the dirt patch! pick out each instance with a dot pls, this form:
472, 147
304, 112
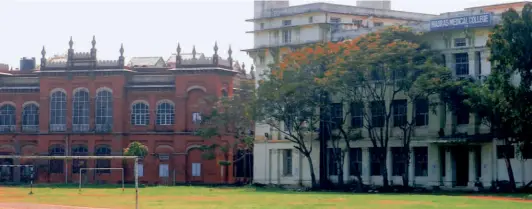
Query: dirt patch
512, 199
38, 206
402, 202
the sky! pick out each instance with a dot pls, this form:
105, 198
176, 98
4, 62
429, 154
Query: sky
150, 28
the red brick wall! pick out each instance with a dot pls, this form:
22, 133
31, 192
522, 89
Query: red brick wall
183, 148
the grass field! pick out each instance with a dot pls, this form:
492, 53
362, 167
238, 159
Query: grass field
247, 197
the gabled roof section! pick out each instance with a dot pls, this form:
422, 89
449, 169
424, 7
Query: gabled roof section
147, 62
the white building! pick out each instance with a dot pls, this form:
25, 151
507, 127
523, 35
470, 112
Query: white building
435, 161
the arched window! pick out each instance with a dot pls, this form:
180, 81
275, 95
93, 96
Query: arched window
7, 118
58, 111
103, 150
140, 114
79, 150
30, 118
104, 111
165, 114
56, 166
80, 111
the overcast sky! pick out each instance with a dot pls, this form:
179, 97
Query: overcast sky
149, 28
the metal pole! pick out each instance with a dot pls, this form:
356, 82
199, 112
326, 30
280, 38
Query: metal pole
80, 172
122, 180
136, 183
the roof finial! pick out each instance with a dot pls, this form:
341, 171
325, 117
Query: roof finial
194, 52
93, 41
244, 67
230, 59
71, 43
43, 52
122, 49
178, 49
230, 52
215, 47
252, 72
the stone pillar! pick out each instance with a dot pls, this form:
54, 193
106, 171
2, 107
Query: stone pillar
16, 170
389, 165
494, 161
366, 177
472, 62
449, 60
279, 166
472, 168
448, 169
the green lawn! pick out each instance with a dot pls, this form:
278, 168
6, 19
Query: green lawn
247, 197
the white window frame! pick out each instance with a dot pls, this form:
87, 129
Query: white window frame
58, 110
196, 117
164, 170
165, 113
30, 115
8, 115
140, 169
196, 169
104, 109
81, 111
287, 36
140, 114
288, 168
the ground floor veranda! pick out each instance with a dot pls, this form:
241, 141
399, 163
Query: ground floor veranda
172, 159
432, 163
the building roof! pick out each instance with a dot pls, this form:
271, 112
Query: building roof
147, 61
501, 4
342, 9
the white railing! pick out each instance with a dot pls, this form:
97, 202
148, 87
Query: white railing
57, 127
80, 127
30, 128
104, 128
7, 128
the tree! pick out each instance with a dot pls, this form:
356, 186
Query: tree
136, 149
287, 102
385, 71
504, 102
230, 117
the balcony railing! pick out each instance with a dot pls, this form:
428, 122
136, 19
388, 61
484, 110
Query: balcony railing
57, 127
7, 128
79, 128
104, 128
30, 128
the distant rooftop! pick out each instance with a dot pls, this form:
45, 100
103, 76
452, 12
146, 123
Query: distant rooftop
341, 9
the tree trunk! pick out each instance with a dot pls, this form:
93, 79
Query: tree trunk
312, 174
384, 155
406, 158
510, 172
340, 171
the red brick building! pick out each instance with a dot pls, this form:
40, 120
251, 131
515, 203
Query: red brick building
80, 105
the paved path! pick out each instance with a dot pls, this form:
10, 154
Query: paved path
38, 206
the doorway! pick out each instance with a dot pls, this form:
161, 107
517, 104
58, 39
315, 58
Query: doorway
461, 162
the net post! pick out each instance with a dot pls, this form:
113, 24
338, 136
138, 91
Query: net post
80, 173
136, 183
122, 180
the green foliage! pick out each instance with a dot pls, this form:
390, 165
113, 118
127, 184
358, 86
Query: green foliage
224, 163
136, 149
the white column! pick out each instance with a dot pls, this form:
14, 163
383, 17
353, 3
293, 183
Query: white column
449, 61
411, 168
472, 62
366, 177
494, 164
472, 168
297, 166
448, 169
389, 164
279, 165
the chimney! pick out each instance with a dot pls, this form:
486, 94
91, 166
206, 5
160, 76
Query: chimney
375, 4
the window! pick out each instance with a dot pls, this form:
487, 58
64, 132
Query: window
140, 169
478, 161
287, 36
30, 118
355, 161
378, 24
335, 21
357, 22
422, 112
357, 115
165, 114
421, 161
287, 22
224, 93
399, 112
79, 150
375, 161
310, 19
7, 118
262, 60
377, 113
505, 150
104, 111
140, 114
462, 114
103, 150
460, 42
337, 114
334, 155
287, 162
163, 170
196, 117
56, 166
58, 112
443, 161
80, 111
243, 163
398, 161
196, 169
461, 63
262, 26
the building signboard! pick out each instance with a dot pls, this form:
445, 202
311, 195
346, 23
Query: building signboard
472, 21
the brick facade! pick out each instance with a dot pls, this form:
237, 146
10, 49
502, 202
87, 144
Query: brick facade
174, 143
